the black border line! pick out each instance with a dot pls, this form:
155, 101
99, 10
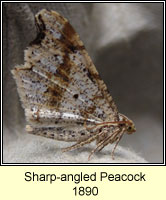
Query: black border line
86, 164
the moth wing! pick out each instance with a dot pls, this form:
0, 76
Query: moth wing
59, 75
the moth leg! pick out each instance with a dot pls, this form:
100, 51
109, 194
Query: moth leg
81, 143
101, 138
102, 144
96, 149
117, 142
106, 141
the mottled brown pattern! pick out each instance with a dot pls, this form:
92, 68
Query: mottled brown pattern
68, 31
40, 28
93, 76
61, 91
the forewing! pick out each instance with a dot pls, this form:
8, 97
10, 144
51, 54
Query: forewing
58, 75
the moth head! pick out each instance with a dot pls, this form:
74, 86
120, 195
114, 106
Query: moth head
127, 124
130, 128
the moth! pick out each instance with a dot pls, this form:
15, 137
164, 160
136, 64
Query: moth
61, 91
